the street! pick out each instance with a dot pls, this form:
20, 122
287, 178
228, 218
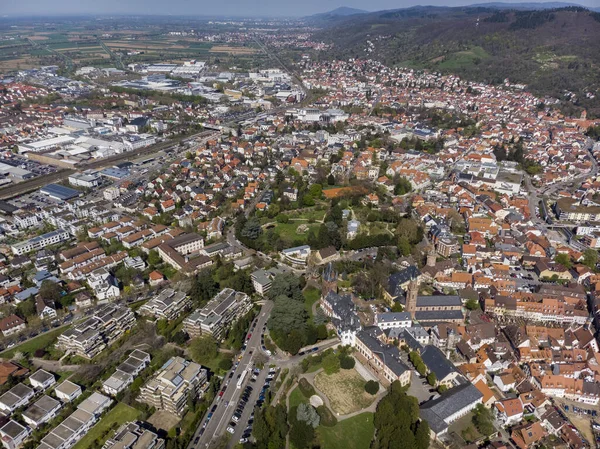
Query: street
226, 404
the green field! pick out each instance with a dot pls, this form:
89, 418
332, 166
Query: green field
297, 398
463, 59
311, 295
120, 414
29, 347
352, 433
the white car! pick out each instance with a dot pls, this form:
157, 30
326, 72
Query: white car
230, 430
243, 440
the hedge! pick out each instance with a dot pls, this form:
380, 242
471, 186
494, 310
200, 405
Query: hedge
306, 388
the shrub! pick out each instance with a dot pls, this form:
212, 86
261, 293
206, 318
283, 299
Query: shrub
328, 419
306, 388
372, 387
347, 362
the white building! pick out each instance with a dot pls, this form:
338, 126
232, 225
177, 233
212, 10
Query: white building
40, 242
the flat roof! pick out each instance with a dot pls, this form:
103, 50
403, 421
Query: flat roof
60, 192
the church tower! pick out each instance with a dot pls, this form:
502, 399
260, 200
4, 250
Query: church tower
431, 256
330, 278
411, 297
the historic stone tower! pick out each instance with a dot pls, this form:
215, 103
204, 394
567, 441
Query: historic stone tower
431, 256
411, 297
330, 278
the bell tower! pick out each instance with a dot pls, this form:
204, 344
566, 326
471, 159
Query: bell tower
411, 297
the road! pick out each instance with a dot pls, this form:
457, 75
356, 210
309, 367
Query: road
226, 404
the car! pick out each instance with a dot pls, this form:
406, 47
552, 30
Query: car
249, 336
253, 379
214, 407
236, 418
231, 430
230, 375
210, 415
243, 440
250, 422
221, 393
301, 353
196, 440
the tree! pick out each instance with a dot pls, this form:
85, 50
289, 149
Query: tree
252, 229
301, 435
315, 190
225, 364
347, 362
403, 186
431, 379
590, 258
308, 414
153, 258
564, 259
422, 435
204, 287
203, 349
331, 180
288, 285
372, 387
421, 368
403, 246
331, 364
26, 308
472, 304
50, 291
482, 419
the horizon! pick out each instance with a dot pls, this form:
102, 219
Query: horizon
263, 9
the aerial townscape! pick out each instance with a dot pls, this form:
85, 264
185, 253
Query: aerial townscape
344, 230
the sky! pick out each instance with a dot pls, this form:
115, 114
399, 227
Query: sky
212, 7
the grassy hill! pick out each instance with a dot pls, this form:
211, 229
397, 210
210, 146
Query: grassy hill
554, 51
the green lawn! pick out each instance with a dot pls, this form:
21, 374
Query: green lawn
288, 232
353, 433
120, 414
311, 295
297, 398
29, 347
213, 364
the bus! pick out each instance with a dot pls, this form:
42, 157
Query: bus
241, 379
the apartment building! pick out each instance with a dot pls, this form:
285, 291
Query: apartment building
126, 372
16, 397
67, 391
170, 388
220, 313
41, 411
89, 338
40, 242
132, 436
168, 304
13, 434
42, 379
77, 424
547, 310
262, 279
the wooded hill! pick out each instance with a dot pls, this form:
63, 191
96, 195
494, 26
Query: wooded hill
554, 51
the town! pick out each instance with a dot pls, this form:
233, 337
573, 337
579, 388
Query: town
319, 253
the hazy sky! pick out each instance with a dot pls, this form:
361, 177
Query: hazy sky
214, 7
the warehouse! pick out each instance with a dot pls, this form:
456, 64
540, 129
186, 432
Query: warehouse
59, 192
